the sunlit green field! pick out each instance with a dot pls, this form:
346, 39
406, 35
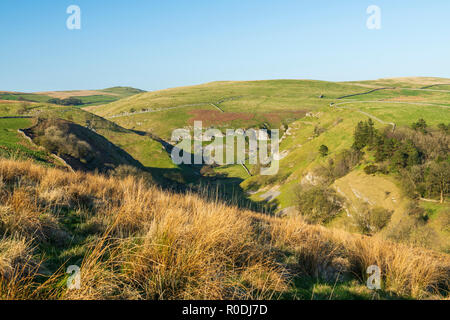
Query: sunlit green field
13, 145
144, 149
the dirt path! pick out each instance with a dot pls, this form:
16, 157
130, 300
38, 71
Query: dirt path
429, 200
365, 113
427, 88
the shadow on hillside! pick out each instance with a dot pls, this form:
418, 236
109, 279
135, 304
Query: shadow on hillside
212, 188
308, 284
81, 148
60, 137
311, 288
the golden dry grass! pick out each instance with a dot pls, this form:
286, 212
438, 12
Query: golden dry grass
145, 243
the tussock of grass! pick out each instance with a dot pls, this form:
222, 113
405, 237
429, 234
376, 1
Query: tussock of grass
138, 242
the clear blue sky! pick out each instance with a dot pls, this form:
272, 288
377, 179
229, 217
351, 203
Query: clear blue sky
153, 44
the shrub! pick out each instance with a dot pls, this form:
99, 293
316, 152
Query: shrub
318, 131
417, 212
66, 102
420, 125
370, 221
445, 128
72, 102
56, 139
323, 150
317, 204
23, 108
345, 162
339, 166
54, 101
83, 149
380, 217
371, 169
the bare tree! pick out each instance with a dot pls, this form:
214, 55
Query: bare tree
439, 175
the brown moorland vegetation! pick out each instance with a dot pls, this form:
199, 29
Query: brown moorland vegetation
217, 117
133, 241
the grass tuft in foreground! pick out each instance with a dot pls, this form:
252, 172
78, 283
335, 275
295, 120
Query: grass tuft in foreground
134, 241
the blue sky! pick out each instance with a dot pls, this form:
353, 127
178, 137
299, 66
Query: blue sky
153, 44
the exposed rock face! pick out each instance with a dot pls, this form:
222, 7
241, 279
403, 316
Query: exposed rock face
287, 211
281, 155
360, 196
312, 179
271, 194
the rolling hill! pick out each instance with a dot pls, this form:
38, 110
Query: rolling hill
324, 177
144, 149
309, 114
86, 97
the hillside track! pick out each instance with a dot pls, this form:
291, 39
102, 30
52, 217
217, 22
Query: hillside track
426, 89
341, 104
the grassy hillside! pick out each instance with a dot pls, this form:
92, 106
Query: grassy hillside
309, 113
409, 82
222, 104
278, 103
87, 97
133, 241
81, 147
128, 224
14, 145
122, 92
26, 97
147, 151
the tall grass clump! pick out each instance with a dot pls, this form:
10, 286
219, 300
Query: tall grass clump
135, 241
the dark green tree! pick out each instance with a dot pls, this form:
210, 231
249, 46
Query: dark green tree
323, 150
445, 128
420, 125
